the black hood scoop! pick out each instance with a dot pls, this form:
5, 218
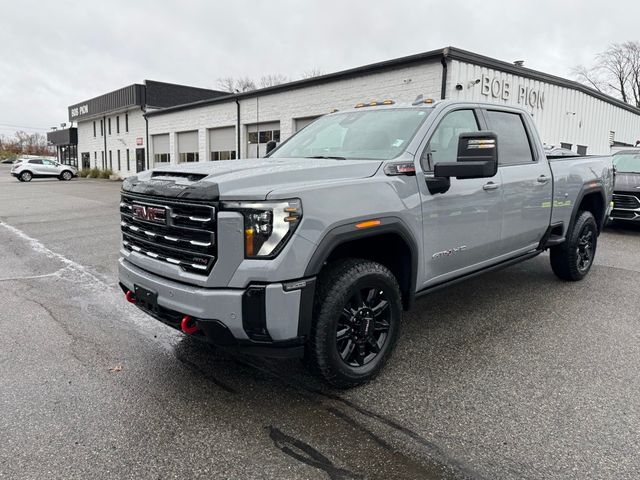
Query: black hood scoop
178, 185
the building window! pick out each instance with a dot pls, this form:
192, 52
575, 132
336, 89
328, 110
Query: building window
223, 155
189, 157
119, 166
161, 158
103, 160
118, 124
94, 128
126, 122
188, 150
101, 128
109, 123
110, 161
128, 161
566, 145
582, 149
258, 135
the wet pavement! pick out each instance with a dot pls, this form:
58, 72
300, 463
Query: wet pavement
510, 375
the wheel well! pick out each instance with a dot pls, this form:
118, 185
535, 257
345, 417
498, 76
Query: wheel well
388, 249
594, 203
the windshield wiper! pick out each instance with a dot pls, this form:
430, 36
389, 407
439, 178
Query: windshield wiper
327, 156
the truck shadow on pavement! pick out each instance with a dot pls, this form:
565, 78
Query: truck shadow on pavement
444, 328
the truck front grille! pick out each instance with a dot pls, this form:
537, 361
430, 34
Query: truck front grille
627, 202
173, 232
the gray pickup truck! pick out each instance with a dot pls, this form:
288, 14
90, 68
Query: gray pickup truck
316, 250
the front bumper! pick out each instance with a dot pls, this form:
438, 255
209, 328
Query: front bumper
266, 319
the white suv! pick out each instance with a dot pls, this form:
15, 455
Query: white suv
25, 170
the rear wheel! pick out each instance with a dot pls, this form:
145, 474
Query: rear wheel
357, 316
26, 176
573, 259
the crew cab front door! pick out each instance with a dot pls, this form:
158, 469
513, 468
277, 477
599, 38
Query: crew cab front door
462, 226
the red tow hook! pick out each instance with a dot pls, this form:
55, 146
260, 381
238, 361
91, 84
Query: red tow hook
188, 325
130, 296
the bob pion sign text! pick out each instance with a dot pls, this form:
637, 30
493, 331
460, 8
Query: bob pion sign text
497, 88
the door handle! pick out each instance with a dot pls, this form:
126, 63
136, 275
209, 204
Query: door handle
543, 179
490, 186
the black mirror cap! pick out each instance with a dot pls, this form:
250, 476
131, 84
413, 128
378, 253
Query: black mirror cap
477, 157
271, 145
478, 146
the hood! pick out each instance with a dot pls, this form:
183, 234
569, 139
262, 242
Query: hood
251, 179
627, 182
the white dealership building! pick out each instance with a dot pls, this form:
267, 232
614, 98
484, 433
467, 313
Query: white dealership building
220, 127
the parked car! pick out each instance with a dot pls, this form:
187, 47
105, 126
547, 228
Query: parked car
626, 195
25, 170
8, 161
316, 250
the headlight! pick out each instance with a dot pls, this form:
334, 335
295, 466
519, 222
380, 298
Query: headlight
267, 225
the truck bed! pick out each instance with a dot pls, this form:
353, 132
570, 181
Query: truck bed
572, 175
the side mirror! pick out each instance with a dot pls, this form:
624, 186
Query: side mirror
271, 145
477, 157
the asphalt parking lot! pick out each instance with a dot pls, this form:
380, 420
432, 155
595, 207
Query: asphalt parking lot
511, 375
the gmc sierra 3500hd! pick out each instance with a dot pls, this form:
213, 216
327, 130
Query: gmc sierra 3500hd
316, 250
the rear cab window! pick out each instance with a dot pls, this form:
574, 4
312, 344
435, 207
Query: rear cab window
514, 144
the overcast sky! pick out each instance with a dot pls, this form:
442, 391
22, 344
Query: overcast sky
56, 53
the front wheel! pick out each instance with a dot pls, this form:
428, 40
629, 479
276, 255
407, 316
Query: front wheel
66, 175
357, 315
573, 259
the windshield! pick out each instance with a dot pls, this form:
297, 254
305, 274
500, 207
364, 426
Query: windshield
368, 135
627, 162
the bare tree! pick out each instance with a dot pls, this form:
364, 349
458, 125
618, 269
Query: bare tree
313, 72
616, 71
615, 63
236, 85
272, 80
632, 50
588, 76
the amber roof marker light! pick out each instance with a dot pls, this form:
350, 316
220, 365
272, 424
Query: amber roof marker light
368, 224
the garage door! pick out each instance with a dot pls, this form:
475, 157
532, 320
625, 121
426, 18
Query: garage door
160, 148
222, 143
188, 146
258, 135
303, 122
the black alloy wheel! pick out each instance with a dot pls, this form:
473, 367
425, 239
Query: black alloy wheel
363, 326
357, 314
585, 248
573, 259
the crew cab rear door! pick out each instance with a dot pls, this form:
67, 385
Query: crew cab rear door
527, 185
461, 226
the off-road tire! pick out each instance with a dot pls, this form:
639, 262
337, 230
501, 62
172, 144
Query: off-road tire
566, 258
336, 285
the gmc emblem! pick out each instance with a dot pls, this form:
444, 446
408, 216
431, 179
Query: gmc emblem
150, 214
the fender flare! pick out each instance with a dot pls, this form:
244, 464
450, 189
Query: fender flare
347, 232
584, 191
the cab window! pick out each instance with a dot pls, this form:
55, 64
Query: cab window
514, 147
443, 145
